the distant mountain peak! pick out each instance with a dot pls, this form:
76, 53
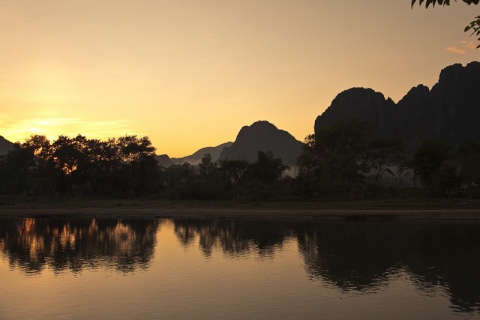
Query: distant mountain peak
263, 136
258, 127
194, 158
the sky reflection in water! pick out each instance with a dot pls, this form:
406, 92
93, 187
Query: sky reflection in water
176, 269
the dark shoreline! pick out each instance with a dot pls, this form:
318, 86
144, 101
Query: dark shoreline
149, 209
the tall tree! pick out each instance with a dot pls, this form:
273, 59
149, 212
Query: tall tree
468, 157
384, 155
207, 167
428, 159
138, 167
267, 168
232, 172
335, 157
44, 172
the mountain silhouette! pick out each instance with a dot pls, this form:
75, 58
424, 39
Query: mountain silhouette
5, 146
164, 160
195, 158
263, 136
449, 112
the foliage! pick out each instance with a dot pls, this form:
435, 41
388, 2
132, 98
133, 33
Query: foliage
384, 155
208, 168
474, 26
76, 166
442, 2
445, 178
427, 160
333, 161
468, 157
232, 174
267, 168
341, 161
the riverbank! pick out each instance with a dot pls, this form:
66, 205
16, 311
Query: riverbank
436, 209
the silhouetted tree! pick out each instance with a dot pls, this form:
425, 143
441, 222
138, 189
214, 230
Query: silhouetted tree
102, 164
43, 174
138, 169
181, 181
232, 172
468, 157
334, 159
40, 145
75, 166
428, 159
267, 168
207, 168
445, 178
385, 154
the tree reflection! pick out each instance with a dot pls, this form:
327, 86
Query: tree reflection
363, 256
233, 237
449, 255
352, 256
358, 256
347, 256
33, 244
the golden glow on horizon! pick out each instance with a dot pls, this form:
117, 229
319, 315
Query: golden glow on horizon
191, 74
53, 127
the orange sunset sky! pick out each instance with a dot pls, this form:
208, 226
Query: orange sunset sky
191, 73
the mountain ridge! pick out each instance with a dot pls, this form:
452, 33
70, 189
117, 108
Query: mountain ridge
449, 112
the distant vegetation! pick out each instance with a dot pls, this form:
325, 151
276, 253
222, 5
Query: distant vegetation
343, 161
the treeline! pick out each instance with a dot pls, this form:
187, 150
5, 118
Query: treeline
340, 162
77, 166
345, 161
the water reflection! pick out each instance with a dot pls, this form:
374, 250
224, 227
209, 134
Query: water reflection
233, 237
358, 257
351, 256
363, 256
74, 245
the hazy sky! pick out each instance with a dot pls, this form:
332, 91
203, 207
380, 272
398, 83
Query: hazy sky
191, 73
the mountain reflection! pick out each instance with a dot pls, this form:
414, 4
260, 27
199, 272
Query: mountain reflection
358, 256
74, 245
362, 256
351, 256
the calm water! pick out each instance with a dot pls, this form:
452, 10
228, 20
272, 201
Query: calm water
234, 269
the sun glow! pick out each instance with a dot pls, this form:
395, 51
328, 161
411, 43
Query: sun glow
189, 77
53, 127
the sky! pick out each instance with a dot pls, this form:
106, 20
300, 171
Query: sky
191, 73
